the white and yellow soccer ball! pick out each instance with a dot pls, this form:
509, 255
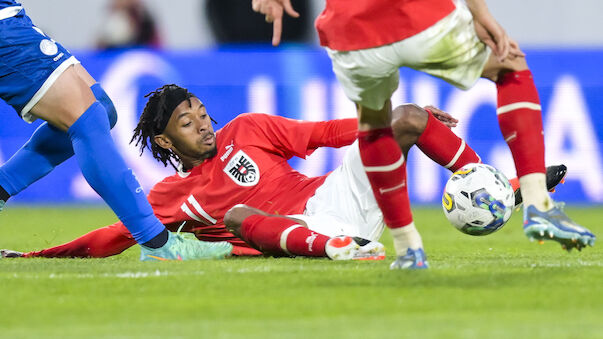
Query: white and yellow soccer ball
478, 199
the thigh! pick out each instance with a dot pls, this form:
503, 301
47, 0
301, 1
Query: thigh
368, 77
345, 201
450, 49
30, 62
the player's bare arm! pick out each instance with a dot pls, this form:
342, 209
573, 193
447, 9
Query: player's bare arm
492, 33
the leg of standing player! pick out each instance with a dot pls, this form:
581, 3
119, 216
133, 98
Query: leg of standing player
368, 78
47, 148
520, 120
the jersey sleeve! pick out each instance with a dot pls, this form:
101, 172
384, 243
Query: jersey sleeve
291, 137
100, 243
333, 133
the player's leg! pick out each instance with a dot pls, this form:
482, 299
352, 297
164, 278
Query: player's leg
70, 105
520, 121
47, 148
369, 77
289, 236
414, 125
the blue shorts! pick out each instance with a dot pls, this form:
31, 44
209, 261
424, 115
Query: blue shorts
30, 62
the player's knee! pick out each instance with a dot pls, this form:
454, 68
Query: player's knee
111, 112
494, 69
233, 219
103, 98
409, 119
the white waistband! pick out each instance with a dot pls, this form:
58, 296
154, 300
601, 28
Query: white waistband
9, 12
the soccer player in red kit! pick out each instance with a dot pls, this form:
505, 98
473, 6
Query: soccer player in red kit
246, 163
368, 41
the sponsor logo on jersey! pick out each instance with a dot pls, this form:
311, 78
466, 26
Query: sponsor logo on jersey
229, 149
242, 170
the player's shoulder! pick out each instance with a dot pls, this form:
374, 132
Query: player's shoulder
244, 119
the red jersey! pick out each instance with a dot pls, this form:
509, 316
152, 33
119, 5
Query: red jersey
347, 25
250, 168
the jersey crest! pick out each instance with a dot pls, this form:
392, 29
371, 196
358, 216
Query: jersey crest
242, 169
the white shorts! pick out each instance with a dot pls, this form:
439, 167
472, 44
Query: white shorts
450, 49
344, 204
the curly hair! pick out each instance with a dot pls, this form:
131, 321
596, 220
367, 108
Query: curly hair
154, 119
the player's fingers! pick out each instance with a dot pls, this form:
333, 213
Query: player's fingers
441, 115
277, 29
503, 48
255, 5
289, 9
515, 50
490, 43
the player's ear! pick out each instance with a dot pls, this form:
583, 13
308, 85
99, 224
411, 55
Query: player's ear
163, 141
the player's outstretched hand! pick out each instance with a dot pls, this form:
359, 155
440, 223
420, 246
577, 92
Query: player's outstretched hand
444, 117
273, 11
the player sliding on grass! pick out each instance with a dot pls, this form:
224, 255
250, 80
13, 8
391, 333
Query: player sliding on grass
246, 163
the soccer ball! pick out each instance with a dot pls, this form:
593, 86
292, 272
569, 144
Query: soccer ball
478, 199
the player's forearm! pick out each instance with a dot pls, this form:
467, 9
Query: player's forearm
478, 8
333, 133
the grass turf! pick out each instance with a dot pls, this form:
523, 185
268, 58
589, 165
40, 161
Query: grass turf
498, 286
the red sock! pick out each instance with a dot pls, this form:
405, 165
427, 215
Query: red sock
281, 236
441, 145
386, 170
520, 121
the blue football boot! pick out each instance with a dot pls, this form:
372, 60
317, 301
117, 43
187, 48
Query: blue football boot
185, 246
555, 225
413, 259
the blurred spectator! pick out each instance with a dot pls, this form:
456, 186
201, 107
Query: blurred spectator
128, 24
233, 21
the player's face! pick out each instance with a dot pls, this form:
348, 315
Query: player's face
189, 133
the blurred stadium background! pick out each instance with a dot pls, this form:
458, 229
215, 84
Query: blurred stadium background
221, 53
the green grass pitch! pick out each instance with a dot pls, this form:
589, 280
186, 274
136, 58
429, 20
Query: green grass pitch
498, 286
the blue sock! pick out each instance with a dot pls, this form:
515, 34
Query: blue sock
107, 173
47, 148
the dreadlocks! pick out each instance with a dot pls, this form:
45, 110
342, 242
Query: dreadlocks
154, 119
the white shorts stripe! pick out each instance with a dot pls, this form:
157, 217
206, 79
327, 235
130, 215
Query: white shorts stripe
25, 114
284, 236
9, 12
457, 155
518, 105
386, 168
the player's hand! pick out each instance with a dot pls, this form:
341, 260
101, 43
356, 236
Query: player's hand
273, 12
491, 32
444, 117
